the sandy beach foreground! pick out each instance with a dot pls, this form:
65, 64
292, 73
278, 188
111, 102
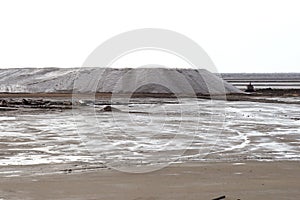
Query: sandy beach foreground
250, 180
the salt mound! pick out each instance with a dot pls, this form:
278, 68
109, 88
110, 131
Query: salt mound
113, 80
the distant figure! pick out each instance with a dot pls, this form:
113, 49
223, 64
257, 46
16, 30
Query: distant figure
250, 88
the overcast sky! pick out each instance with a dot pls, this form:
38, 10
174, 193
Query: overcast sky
239, 36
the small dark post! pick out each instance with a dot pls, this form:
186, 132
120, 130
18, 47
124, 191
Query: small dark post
3, 103
250, 88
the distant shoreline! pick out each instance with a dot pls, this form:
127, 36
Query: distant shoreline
263, 80
65, 100
258, 92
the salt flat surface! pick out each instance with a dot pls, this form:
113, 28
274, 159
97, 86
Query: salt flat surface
145, 133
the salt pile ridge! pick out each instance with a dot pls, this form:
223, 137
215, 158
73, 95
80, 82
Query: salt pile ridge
114, 80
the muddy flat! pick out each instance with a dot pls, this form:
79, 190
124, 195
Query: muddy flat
240, 149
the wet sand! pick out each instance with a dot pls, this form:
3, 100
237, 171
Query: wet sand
251, 180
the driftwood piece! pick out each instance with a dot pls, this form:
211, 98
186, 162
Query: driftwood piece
221, 197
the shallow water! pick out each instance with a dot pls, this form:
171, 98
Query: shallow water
155, 132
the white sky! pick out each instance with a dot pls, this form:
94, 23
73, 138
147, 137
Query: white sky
239, 36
